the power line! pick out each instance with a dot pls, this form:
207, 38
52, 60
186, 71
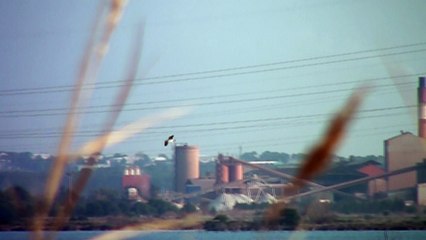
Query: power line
38, 114
140, 81
216, 96
290, 140
57, 134
222, 112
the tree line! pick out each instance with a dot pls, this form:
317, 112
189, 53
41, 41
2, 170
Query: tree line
19, 206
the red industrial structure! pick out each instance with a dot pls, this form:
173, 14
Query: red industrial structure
222, 173
235, 172
228, 170
136, 183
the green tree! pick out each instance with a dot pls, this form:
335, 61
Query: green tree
221, 218
142, 159
100, 208
161, 206
119, 155
142, 209
275, 156
106, 194
161, 175
142, 156
298, 156
95, 209
21, 200
249, 156
189, 208
8, 213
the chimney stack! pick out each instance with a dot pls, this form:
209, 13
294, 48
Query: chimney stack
422, 106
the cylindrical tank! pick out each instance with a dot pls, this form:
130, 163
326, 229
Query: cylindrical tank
222, 175
422, 107
186, 165
235, 172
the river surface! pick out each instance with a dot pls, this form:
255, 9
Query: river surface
202, 235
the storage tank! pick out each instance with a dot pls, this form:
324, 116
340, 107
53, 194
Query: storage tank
186, 165
235, 172
222, 170
222, 173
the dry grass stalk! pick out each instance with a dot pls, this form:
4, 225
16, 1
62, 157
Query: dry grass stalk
97, 145
116, 108
88, 69
320, 156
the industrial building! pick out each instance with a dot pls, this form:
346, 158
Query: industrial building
228, 181
230, 186
407, 150
403, 151
136, 183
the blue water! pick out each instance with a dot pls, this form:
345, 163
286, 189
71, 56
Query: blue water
202, 235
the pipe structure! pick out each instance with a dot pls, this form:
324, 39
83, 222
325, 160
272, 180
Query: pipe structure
292, 178
350, 183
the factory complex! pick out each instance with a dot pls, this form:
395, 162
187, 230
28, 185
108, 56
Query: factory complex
236, 181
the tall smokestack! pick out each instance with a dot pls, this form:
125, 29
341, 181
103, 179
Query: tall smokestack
422, 106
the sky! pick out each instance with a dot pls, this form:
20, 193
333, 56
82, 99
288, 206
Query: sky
260, 75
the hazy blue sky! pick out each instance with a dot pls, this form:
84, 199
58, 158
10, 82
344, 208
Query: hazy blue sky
274, 71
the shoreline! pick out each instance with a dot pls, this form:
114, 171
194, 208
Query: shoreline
199, 222
310, 228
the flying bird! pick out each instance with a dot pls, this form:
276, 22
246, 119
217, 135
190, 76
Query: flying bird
169, 140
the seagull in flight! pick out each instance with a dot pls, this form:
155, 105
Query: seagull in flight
169, 140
